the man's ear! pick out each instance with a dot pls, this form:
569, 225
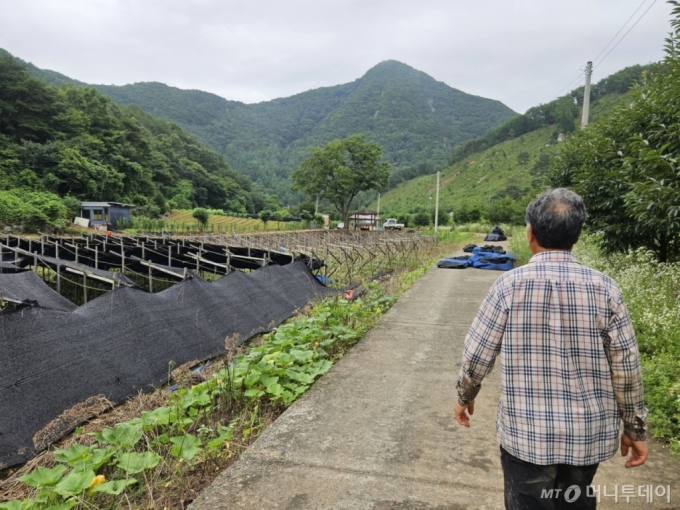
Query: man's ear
530, 233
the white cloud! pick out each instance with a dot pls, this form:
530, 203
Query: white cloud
522, 52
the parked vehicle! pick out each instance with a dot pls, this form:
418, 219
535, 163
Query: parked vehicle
391, 224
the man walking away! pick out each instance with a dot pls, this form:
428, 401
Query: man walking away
570, 366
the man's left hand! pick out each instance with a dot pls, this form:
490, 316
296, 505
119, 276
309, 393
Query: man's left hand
461, 413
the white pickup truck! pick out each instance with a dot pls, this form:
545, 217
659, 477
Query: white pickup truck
391, 224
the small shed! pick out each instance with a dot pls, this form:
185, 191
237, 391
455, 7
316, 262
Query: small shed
105, 213
365, 220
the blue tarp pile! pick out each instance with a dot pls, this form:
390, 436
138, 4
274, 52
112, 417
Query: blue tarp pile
481, 260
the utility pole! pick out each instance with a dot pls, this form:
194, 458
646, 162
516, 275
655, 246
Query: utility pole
436, 207
586, 95
377, 215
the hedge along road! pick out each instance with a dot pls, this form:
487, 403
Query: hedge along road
378, 431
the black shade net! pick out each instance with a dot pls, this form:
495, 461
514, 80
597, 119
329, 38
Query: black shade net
54, 362
27, 288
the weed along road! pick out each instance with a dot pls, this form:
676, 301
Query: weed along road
378, 431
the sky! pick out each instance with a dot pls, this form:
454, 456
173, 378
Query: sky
521, 52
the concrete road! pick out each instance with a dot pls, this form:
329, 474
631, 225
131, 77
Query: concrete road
377, 432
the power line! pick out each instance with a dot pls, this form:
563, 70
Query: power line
624, 35
612, 40
620, 29
570, 83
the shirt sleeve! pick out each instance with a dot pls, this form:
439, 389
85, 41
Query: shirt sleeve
482, 344
624, 360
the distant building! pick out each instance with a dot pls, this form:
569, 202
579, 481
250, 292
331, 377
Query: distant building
104, 213
365, 220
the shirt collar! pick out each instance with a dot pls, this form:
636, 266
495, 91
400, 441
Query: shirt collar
554, 256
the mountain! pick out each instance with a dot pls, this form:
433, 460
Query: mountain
508, 162
75, 142
414, 117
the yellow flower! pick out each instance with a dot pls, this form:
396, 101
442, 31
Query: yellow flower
270, 361
97, 480
316, 344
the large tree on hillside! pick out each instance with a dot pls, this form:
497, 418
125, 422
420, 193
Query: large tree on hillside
627, 168
340, 170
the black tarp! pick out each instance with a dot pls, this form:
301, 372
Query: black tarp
28, 288
123, 342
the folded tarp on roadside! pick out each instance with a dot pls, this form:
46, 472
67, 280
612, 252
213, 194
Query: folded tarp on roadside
481, 260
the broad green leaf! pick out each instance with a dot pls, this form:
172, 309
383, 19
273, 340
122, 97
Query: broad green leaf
134, 462
100, 456
124, 436
185, 447
253, 392
76, 454
252, 378
155, 418
266, 380
275, 389
75, 482
114, 487
43, 477
12, 505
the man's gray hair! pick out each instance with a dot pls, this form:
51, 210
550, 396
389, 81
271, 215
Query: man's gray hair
556, 217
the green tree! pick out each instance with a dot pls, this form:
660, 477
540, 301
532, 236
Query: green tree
626, 168
306, 216
443, 217
201, 216
340, 170
265, 215
318, 221
421, 219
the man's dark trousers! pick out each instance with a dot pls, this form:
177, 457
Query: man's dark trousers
554, 487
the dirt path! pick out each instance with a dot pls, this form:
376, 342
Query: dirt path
378, 432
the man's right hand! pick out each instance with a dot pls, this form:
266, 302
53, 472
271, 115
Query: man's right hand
638, 449
461, 415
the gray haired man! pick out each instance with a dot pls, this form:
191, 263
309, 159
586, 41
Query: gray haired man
570, 366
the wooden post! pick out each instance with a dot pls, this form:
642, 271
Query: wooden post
42, 246
143, 250
122, 259
76, 253
58, 277
96, 257
35, 264
84, 287
150, 279
170, 255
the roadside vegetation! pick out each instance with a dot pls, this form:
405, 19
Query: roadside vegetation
160, 450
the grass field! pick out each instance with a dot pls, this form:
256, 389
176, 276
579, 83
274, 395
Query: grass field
475, 180
182, 221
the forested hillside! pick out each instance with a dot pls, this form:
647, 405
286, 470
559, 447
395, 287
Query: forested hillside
416, 119
497, 172
58, 145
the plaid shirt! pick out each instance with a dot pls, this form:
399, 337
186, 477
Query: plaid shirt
570, 366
